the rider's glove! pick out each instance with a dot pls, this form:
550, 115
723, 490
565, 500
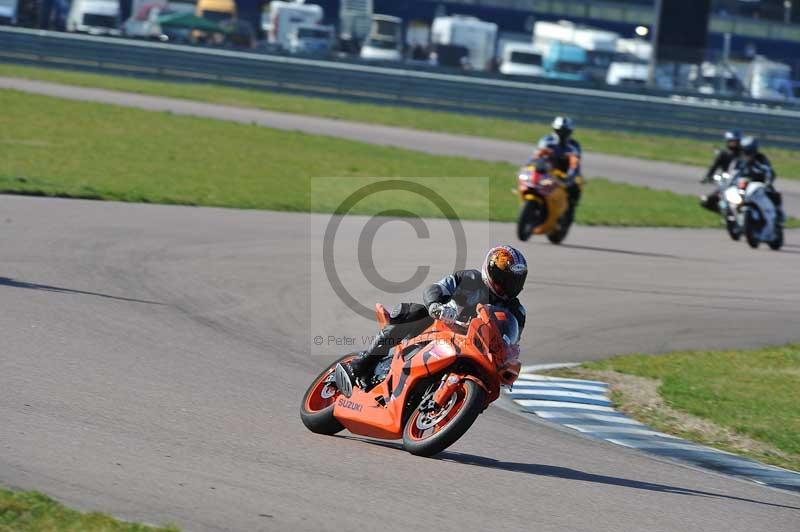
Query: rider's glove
442, 312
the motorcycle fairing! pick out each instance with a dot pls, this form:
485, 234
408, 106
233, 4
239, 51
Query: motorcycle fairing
757, 197
363, 412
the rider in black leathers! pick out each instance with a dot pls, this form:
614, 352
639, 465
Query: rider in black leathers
564, 153
756, 166
455, 297
723, 162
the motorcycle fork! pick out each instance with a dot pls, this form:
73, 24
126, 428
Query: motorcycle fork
446, 388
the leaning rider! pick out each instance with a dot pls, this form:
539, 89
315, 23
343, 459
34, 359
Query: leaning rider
454, 298
564, 153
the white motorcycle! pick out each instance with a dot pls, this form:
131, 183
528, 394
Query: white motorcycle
727, 207
748, 210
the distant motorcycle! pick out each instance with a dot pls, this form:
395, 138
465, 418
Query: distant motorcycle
750, 211
545, 204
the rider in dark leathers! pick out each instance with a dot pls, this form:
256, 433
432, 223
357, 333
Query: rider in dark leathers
723, 162
756, 166
499, 281
564, 153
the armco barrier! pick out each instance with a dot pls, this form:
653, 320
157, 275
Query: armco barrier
701, 118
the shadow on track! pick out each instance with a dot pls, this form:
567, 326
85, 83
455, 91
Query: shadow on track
623, 251
13, 283
573, 474
565, 473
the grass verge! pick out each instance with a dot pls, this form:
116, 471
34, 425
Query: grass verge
56, 147
34, 512
747, 402
670, 149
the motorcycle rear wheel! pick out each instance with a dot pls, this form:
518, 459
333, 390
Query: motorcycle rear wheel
558, 236
427, 434
316, 411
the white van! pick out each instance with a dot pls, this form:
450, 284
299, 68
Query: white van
520, 59
285, 17
627, 74
385, 39
96, 17
311, 39
379, 48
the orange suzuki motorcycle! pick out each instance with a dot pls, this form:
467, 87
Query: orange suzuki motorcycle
429, 389
544, 202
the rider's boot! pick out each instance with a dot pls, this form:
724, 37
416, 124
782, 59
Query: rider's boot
356, 371
710, 202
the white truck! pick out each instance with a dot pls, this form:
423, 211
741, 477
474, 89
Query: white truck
285, 17
8, 12
521, 59
477, 36
385, 39
355, 20
96, 17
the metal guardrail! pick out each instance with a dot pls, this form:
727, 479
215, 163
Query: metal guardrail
618, 111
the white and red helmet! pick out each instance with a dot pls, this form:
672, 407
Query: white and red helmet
504, 271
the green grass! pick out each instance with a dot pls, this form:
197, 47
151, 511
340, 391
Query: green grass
755, 393
786, 162
34, 512
56, 147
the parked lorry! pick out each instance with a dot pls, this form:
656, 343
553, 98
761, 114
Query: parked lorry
96, 17
355, 22
600, 46
216, 10
566, 62
285, 17
477, 36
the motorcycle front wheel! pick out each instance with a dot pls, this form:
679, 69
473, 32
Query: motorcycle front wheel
751, 230
429, 433
778, 242
734, 231
530, 215
318, 401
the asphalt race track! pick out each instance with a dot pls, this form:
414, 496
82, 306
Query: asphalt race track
153, 359
655, 174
